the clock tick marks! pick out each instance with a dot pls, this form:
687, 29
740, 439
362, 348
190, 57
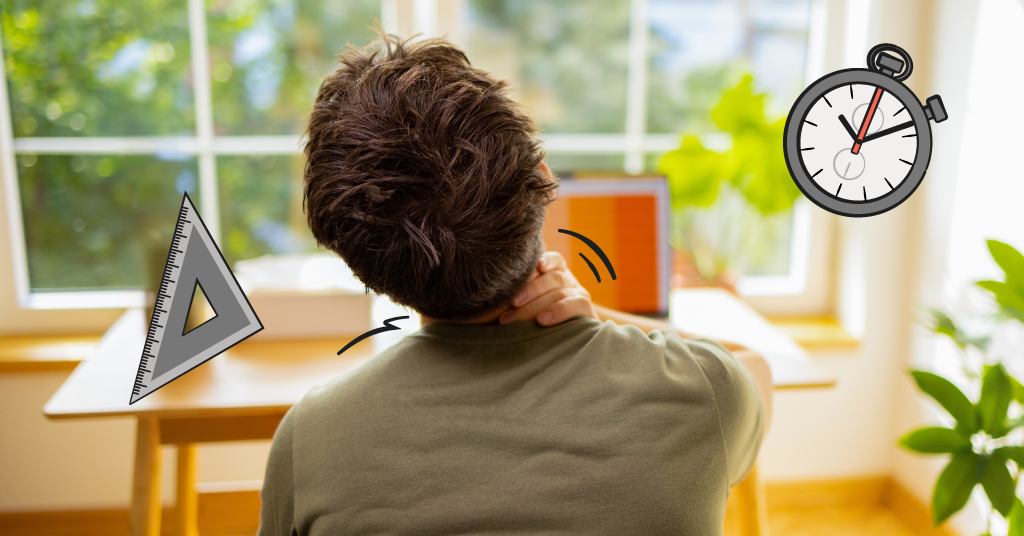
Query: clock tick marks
810, 123
840, 188
851, 91
865, 188
807, 149
889, 183
905, 162
816, 172
910, 135
826, 101
899, 111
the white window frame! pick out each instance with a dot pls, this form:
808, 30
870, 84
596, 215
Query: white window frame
804, 290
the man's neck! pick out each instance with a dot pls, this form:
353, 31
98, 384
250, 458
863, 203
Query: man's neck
488, 318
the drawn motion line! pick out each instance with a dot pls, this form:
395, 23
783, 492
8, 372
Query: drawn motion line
597, 249
386, 327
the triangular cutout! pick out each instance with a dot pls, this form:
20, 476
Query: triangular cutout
195, 266
197, 310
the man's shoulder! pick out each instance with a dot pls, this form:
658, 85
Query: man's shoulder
620, 349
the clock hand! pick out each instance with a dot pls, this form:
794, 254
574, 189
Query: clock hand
867, 121
846, 125
888, 131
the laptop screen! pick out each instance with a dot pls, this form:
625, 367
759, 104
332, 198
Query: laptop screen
627, 220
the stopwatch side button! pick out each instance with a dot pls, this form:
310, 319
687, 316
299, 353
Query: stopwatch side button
934, 110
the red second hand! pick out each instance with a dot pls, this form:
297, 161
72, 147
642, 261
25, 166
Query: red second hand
867, 121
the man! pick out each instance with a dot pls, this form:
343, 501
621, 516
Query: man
519, 407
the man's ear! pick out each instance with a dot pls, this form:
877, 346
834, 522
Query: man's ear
546, 171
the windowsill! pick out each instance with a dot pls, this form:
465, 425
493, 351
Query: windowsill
817, 333
45, 353
56, 353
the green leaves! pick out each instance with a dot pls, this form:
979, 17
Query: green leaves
950, 397
1009, 294
755, 164
740, 109
693, 172
1016, 519
966, 467
1011, 261
983, 425
1012, 453
936, 440
758, 168
996, 393
943, 325
998, 484
955, 484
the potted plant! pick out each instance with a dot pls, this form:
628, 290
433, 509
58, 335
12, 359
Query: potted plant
725, 203
985, 444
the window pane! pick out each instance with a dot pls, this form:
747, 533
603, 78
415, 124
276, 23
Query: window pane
268, 57
696, 48
569, 164
732, 232
261, 207
90, 219
98, 67
567, 61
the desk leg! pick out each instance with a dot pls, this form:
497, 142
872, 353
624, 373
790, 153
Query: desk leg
753, 510
145, 518
187, 509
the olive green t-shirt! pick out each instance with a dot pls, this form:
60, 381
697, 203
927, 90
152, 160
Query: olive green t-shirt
582, 428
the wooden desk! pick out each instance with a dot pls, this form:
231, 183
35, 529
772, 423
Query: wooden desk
243, 394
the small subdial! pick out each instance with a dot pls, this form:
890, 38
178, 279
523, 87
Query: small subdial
849, 166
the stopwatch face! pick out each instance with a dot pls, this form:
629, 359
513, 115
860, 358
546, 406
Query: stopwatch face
850, 178
826, 147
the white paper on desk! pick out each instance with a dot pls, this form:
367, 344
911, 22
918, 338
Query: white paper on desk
704, 312
314, 271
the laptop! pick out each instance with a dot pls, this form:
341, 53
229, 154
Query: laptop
627, 219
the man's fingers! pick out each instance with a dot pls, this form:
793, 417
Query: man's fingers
529, 310
540, 285
563, 310
551, 260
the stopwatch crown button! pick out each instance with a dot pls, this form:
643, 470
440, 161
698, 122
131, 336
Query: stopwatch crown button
934, 110
890, 62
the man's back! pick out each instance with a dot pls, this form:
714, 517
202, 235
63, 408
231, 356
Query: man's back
581, 428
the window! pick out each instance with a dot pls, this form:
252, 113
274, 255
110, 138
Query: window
113, 108
612, 83
117, 107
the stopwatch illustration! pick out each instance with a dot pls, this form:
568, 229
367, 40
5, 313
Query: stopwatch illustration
857, 141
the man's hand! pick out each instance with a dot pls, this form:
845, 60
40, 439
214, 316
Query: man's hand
552, 296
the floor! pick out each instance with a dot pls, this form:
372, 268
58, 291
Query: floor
857, 520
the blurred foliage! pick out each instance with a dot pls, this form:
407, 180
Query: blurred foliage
568, 60
754, 164
123, 68
753, 167
98, 67
253, 226
983, 446
89, 219
268, 57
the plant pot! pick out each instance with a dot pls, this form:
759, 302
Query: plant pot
686, 275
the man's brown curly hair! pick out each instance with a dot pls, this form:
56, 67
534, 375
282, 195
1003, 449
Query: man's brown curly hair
422, 174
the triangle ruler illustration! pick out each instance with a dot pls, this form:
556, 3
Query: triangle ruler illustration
194, 263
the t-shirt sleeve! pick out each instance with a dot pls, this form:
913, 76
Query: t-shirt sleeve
740, 412
278, 492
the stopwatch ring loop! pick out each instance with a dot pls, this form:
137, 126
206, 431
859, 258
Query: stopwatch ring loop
908, 64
